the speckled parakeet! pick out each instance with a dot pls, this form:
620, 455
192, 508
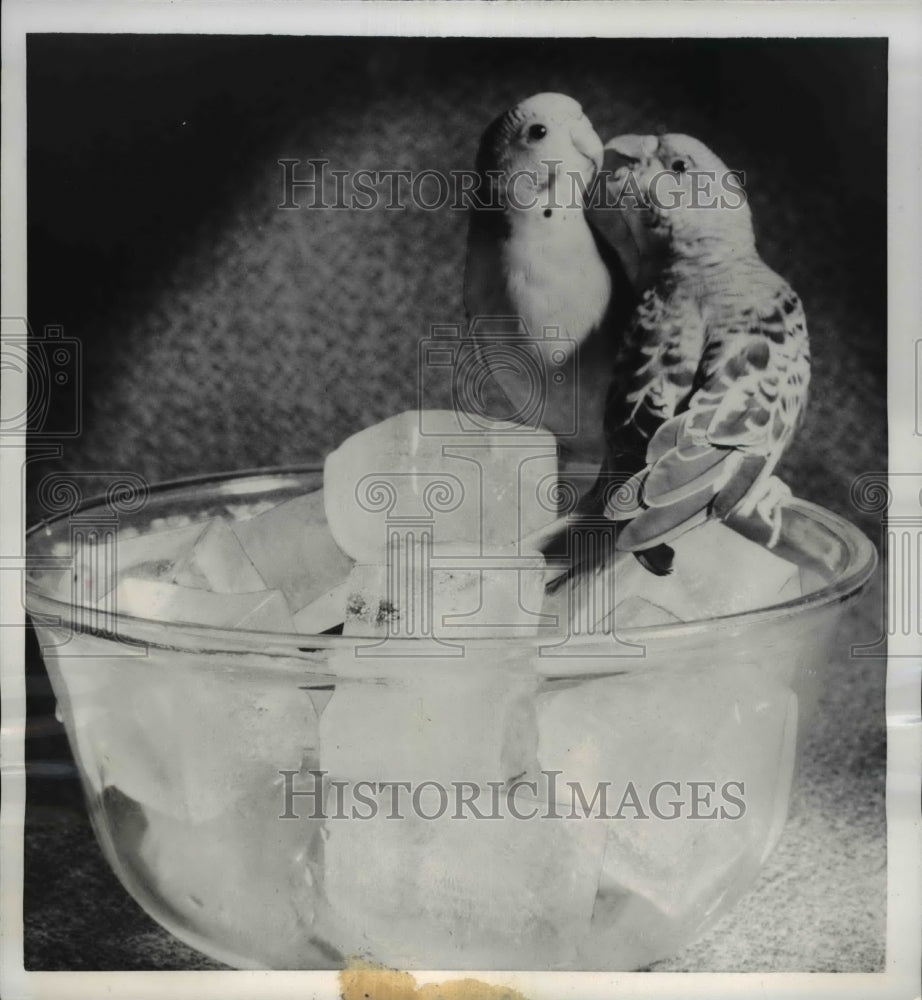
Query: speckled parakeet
534, 257
711, 377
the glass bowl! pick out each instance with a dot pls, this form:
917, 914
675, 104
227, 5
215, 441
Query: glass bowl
293, 801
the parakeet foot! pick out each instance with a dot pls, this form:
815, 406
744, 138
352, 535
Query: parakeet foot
767, 504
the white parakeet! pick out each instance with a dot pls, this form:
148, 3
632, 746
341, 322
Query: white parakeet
534, 258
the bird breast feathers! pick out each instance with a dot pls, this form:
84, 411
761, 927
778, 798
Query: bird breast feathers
559, 282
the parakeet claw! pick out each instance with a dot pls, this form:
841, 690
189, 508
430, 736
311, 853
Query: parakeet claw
767, 503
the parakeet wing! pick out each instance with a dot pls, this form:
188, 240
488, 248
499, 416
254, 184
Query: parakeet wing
654, 375
747, 396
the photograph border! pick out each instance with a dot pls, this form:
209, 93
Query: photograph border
901, 23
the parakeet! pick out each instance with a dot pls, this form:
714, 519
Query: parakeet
534, 257
711, 378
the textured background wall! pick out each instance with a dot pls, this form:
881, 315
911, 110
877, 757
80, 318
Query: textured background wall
222, 333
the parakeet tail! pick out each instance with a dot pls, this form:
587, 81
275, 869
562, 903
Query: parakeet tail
671, 511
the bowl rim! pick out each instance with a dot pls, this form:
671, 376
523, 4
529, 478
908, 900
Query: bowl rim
861, 563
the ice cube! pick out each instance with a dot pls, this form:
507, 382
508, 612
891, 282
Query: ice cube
486, 487
114, 718
187, 734
267, 905
293, 550
320, 697
420, 719
63, 583
501, 600
580, 599
629, 932
727, 728
324, 612
792, 588
101, 559
716, 572
171, 521
635, 612
436, 890
452, 596
370, 602
269, 613
237, 737
217, 562
811, 580
264, 611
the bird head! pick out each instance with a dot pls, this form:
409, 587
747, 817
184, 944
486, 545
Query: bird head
537, 155
688, 194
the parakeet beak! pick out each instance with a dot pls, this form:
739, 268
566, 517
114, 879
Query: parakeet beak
587, 142
633, 148
634, 155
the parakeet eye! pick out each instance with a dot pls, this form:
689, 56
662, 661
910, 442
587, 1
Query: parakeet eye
679, 165
537, 132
